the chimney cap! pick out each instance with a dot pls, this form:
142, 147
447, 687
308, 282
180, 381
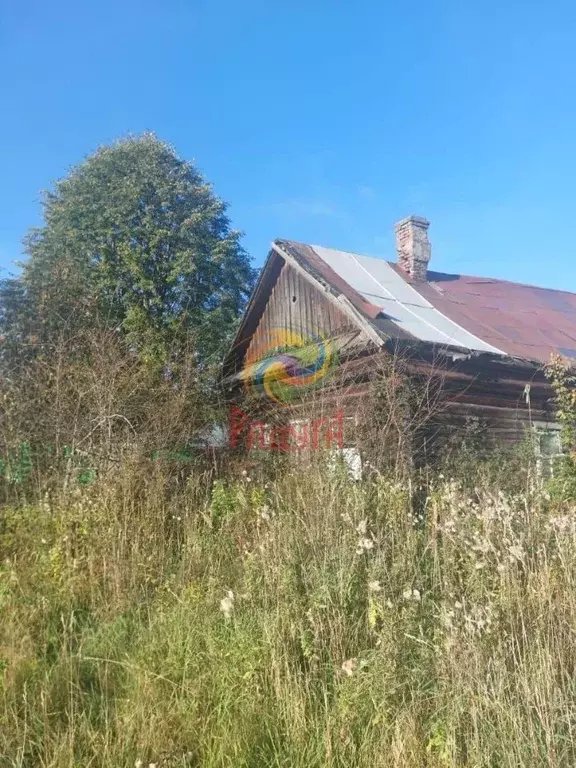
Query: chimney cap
418, 220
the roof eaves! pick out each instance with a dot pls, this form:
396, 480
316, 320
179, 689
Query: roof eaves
428, 349
270, 271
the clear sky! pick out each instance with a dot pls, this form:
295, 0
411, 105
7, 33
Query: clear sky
323, 121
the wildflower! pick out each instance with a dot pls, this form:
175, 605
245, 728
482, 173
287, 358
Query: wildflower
362, 527
350, 666
407, 594
416, 595
227, 604
516, 553
374, 586
266, 513
138, 763
364, 545
447, 619
412, 594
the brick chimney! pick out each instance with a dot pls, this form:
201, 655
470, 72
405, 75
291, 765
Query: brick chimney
413, 246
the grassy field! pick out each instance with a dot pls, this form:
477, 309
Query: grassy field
305, 622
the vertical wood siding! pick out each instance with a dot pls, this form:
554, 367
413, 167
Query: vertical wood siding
296, 305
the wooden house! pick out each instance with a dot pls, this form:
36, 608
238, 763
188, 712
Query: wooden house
317, 310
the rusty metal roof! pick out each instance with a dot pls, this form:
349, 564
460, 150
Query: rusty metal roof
521, 320
474, 313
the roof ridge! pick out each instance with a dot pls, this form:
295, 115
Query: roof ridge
487, 279
438, 272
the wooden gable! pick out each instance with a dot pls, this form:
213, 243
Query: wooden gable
296, 305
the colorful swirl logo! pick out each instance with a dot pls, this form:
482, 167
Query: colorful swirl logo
287, 363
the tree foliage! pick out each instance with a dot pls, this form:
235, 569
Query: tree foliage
135, 240
562, 379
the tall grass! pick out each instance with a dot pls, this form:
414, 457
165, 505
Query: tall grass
303, 621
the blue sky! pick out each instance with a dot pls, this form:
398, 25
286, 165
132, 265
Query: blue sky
320, 121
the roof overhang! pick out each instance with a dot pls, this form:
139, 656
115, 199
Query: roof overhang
377, 325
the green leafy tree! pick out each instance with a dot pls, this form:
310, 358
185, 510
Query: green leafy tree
133, 239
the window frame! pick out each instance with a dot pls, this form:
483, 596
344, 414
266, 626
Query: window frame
545, 460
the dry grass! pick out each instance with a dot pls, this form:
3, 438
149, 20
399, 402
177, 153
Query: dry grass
306, 621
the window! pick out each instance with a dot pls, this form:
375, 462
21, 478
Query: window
548, 447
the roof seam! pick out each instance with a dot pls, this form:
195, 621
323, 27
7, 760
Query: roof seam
450, 339
405, 305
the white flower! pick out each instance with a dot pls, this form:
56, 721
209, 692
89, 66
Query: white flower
350, 666
138, 763
362, 526
227, 604
416, 595
516, 553
407, 594
265, 513
374, 586
364, 545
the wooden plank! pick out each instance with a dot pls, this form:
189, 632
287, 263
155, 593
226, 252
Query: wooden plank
311, 310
